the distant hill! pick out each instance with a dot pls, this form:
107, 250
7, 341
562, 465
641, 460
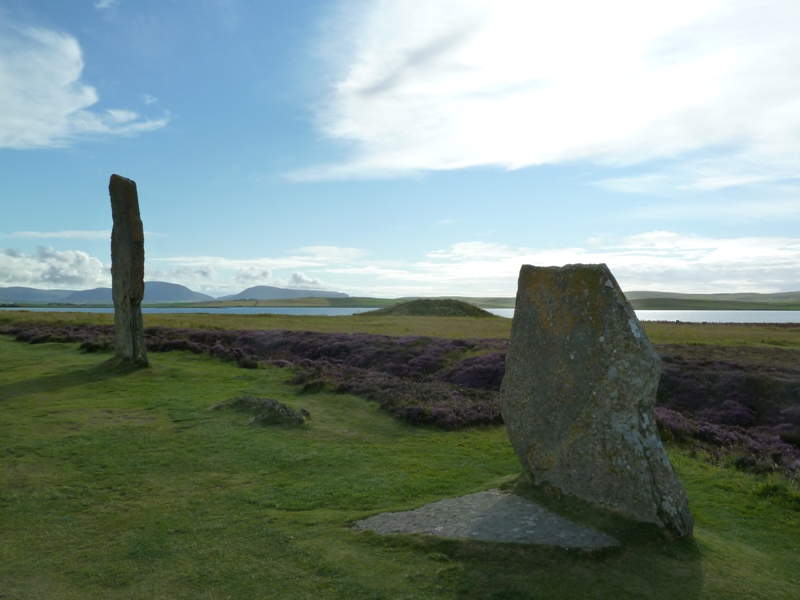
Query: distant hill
154, 291
161, 291
429, 307
11, 295
268, 292
100, 295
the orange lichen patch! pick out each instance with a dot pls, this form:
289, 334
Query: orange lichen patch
540, 459
555, 320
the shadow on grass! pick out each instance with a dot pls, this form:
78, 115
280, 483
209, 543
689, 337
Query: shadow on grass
646, 565
116, 366
483, 570
628, 532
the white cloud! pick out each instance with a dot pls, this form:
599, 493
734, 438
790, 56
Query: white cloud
302, 281
101, 4
446, 84
148, 99
250, 276
49, 269
43, 102
193, 278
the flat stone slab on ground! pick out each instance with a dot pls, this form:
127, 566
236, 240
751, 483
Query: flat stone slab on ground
491, 516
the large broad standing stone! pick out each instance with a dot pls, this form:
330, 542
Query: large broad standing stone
578, 395
127, 269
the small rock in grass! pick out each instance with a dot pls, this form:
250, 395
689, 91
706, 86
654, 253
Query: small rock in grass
270, 411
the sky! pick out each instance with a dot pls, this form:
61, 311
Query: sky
403, 148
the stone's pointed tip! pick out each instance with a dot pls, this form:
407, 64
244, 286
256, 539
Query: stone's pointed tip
120, 180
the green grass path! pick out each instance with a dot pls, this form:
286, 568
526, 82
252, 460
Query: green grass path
126, 486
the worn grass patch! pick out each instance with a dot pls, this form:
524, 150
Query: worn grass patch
126, 485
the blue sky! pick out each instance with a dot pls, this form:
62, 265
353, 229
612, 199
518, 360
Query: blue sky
409, 147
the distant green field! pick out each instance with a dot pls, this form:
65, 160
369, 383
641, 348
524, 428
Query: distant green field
125, 485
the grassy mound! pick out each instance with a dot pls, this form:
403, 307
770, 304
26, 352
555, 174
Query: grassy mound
429, 307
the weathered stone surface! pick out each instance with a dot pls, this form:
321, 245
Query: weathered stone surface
127, 269
578, 395
491, 516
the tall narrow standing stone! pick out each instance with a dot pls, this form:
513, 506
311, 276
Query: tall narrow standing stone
127, 269
578, 395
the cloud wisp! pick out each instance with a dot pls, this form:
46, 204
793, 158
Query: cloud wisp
447, 84
43, 102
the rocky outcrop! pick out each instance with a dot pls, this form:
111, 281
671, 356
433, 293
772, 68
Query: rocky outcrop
127, 270
578, 394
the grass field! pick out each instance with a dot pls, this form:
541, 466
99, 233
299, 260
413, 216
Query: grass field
125, 485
